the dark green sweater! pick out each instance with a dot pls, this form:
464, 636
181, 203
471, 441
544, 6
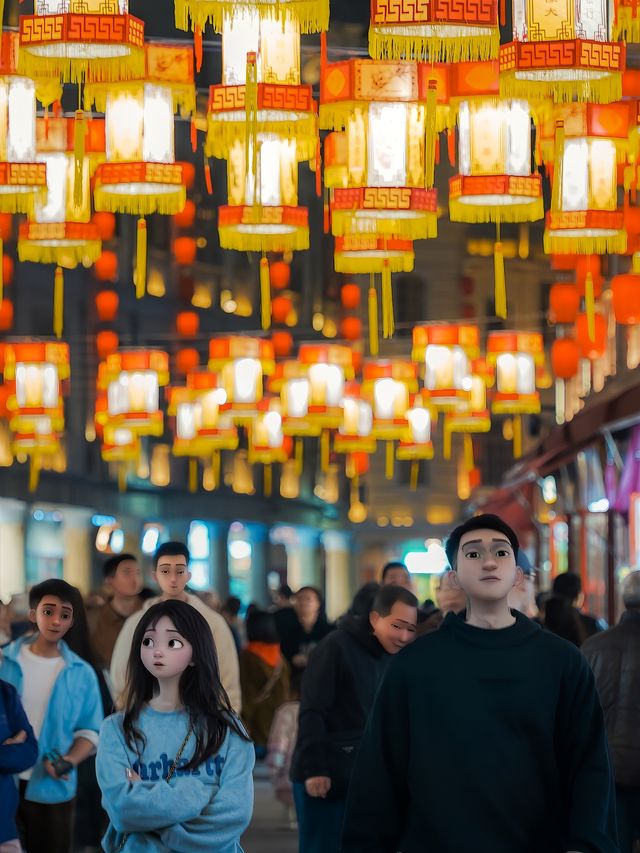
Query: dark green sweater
484, 742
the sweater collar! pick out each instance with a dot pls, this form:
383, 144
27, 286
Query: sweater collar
12, 651
521, 631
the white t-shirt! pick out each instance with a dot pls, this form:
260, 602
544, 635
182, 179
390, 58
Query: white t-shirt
38, 677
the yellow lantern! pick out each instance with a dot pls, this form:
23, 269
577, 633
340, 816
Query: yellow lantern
242, 363
328, 367
291, 381
73, 38
417, 445
472, 415
267, 441
561, 51
446, 351
355, 433
132, 380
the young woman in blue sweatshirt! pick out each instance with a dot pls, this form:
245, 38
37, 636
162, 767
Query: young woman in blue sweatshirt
18, 752
175, 767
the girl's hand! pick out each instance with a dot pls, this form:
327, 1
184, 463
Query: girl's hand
131, 775
317, 786
20, 737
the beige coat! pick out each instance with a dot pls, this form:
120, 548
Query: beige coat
222, 637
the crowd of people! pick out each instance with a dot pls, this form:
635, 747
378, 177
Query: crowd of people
132, 721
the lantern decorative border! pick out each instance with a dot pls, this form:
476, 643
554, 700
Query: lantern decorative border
406, 212
246, 228
359, 254
166, 178
585, 232
311, 15
527, 189
65, 243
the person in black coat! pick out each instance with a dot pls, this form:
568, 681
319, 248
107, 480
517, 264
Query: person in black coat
338, 688
300, 634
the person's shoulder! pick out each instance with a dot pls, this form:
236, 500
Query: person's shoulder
8, 694
215, 619
112, 725
548, 643
614, 637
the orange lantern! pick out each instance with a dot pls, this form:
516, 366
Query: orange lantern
107, 302
7, 269
6, 222
351, 328
564, 302
188, 174
187, 360
446, 352
185, 250
106, 267
625, 290
6, 315
279, 275
591, 346
106, 225
280, 309
350, 296
187, 324
565, 358
589, 265
132, 379
242, 363
282, 343
186, 217
106, 343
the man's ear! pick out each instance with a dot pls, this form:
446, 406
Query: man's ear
518, 582
32, 615
373, 619
453, 580
188, 576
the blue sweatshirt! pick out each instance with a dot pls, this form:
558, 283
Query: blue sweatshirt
14, 758
74, 706
196, 812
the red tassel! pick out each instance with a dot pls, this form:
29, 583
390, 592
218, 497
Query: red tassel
46, 121
503, 13
451, 145
57, 109
438, 150
194, 135
197, 44
327, 213
323, 51
207, 177
318, 171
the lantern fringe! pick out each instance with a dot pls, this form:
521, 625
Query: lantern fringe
430, 135
336, 116
222, 135
312, 15
528, 211
193, 475
69, 255
465, 44
23, 202
95, 95
500, 283
365, 263
599, 91
388, 322
517, 436
374, 332
230, 238
141, 259
48, 91
627, 24
414, 473
141, 204
265, 294
74, 70
79, 137
590, 305
389, 460
423, 227
555, 243
58, 302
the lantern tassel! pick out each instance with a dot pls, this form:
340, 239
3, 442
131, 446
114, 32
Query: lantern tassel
430, 135
446, 440
79, 134
635, 262
523, 240
268, 481
215, 468
197, 46
194, 135
207, 175
389, 461
388, 325
122, 478
193, 475
326, 210
265, 293
141, 259
517, 436
374, 332
299, 457
590, 306
325, 450
414, 474
34, 473
451, 145
318, 171
58, 302
556, 191
469, 461
500, 284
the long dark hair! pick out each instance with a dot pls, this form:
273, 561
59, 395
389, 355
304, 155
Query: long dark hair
563, 619
201, 692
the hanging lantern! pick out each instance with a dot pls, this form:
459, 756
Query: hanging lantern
561, 52
132, 380
187, 359
472, 415
187, 216
592, 345
564, 302
625, 290
106, 343
417, 444
355, 432
280, 275
389, 383
267, 441
291, 381
187, 324
437, 31
565, 358
185, 250
282, 343
242, 362
328, 367
201, 429
106, 225
445, 351
107, 302
311, 16
6, 315
357, 253
76, 38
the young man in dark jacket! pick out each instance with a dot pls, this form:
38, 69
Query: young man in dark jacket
614, 656
487, 735
338, 688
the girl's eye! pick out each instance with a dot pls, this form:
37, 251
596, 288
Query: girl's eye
47, 612
175, 644
66, 616
148, 642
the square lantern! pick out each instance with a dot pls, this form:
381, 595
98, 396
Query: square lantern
291, 381
200, 427
71, 38
329, 367
389, 384
516, 357
417, 444
446, 352
242, 363
311, 16
267, 441
132, 380
472, 415
35, 377
562, 51
355, 433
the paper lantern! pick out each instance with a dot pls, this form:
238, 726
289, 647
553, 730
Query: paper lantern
279, 275
328, 367
6, 315
106, 343
187, 360
280, 309
282, 343
355, 254
36, 373
291, 381
201, 429
6, 226
589, 265
355, 432
8, 268
242, 363
185, 250
445, 352
186, 217
351, 328
267, 441
187, 324
515, 356
132, 379
106, 266
106, 225
99, 37
592, 346
470, 415
350, 296
107, 302
561, 52
565, 358
418, 444
625, 290
564, 302
311, 16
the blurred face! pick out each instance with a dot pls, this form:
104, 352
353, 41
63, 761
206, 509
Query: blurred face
165, 653
53, 617
396, 630
307, 604
486, 566
172, 575
398, 577
127, 579
450, 599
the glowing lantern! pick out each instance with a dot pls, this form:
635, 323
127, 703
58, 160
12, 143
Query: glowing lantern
279, 275
561, 51
565, 358
186, 217
187, 324
351, 328
242, 362
470, 416
355, 433
328, 367
185, 250
106, 225
106, 267
564, 302
291, 381
106, 343
356, 253
6, 315
350, 296
186, 360
282, 343
417, 444
280, 309
445, 351
625, 290
267, 441
592, 346
132, 380
78, 37
107, 302
311, 16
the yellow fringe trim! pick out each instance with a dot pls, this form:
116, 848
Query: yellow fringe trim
624, 148
603, 91
528, 211
48, 91
66, 256
335, 116
423, 227
95, 95
22, 202
434, 48
140, 205
627, 27
312, 15
366, 264
557, 244
222, 135
230, 238
130, 67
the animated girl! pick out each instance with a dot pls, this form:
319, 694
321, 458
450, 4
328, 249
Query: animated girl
175, 767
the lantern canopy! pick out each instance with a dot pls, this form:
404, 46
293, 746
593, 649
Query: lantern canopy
445, 352
311, 16
73, 38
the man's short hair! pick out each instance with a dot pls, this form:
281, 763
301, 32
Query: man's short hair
524, 562
391, 594
111, 565
171, 549
567, 585
631, 591
394, 564
56, 587
486, 521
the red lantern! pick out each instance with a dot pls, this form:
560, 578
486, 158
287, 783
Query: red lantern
107, 302
279, 275
7, 269
351, 328
357, 361
187, 215
350, 296
6, 226
564, 302
280, 308
565, 358
282, 343
185, 249
188, 174
187, 324
625, 290
360, 462
187, 360
563, 263
106, 267
591, 348
106, 343
106, 225
6, 315
584, 265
